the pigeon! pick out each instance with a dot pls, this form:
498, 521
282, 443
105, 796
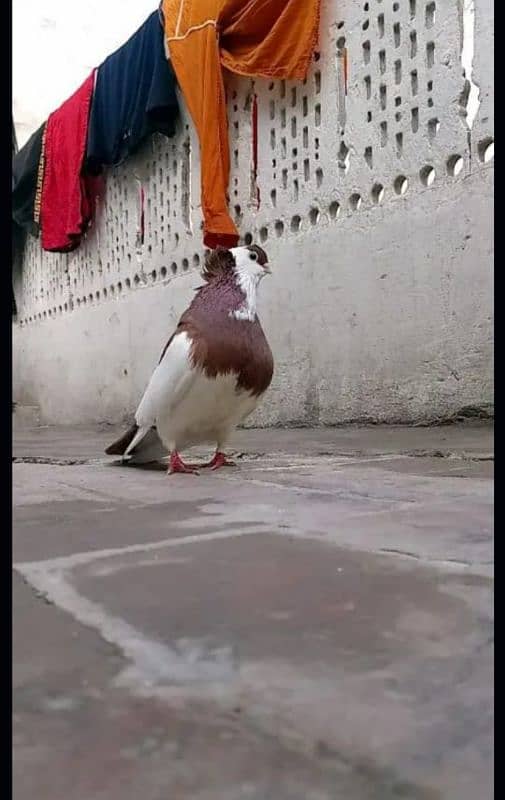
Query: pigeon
213, 371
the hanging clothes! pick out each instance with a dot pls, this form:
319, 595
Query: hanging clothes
135, 96
68, 197
25, 169
259, 38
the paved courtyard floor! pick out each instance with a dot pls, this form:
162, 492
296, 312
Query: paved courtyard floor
314, 624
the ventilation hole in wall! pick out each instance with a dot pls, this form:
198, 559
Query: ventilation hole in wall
485, 149
366, 52
173, 268
163, 273
273, 197
317, 115
65, 306
279, 228
305, 106
296, 190
296, 223
401, 185
317, 81
196, 261
398, 71
366, 25
305, 137
384, 133
314, 215
413, 44
293, 97
334, 210
355, 201
294, 152
429, 16
433, 127
272, 109
427, 175
263, 234
185, 264
430, 102
248, 238
344, 157
398, 101
128, 283
284, 179
399, 144
414, 82
317, 56
97, 295
60, 309
341, 24
283, 147
412, 8
271, 87
153, 275
366, 6
383, 96
377, 193
306, 169
293, 127
369, 156
283, 117
397, 34
368, 86
176, 239
84, 301
380, 25
414, 120
398, 116
319, 177
282, 89
454, 165
396, 6
272, 139
429, 86
430, 54
368, 116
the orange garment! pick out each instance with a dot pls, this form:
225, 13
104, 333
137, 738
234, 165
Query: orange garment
263, 38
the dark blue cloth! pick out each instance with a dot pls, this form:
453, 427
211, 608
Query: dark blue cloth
135, 95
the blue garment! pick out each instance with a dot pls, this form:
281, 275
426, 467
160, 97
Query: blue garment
134, 96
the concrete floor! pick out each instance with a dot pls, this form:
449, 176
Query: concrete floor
315, 624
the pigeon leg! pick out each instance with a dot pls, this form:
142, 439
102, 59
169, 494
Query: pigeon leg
177, 465
220, 460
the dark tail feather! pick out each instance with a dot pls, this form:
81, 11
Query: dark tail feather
118, 447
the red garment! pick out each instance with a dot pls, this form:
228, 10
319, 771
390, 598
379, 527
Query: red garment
68, 198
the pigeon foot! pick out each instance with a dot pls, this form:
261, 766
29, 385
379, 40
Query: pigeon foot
176, 464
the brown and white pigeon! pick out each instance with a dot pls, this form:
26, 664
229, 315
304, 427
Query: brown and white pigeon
213, 371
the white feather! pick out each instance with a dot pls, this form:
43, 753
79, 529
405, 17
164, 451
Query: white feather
186, 406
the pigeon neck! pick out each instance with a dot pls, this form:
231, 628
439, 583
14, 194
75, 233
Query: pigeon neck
248, 284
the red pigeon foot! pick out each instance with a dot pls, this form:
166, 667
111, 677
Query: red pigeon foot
177, 465
220, 460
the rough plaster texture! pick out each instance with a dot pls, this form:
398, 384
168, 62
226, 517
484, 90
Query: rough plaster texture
376, 212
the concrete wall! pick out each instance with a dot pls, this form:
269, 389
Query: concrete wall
376, 212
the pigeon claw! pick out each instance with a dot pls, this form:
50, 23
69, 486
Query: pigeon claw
176, 464
219, 461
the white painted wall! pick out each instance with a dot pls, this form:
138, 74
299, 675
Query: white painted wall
376, 310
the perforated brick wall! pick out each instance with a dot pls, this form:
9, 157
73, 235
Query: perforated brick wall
379, 164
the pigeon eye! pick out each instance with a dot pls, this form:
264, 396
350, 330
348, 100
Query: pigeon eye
253, 256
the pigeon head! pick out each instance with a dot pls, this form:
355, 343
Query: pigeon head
249, 262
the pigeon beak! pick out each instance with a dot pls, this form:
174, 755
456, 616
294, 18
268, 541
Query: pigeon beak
267, 269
